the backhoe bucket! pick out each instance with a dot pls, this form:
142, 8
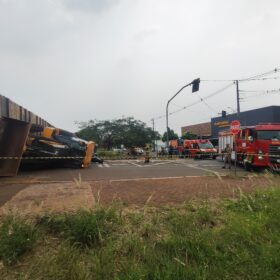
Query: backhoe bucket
13, 135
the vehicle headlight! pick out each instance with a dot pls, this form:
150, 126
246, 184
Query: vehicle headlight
260, 156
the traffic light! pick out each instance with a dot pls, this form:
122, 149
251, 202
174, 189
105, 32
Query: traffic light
224, 114
195, 85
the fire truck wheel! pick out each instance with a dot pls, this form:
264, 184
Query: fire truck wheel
258, 168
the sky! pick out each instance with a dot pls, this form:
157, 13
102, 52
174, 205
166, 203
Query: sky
70, 61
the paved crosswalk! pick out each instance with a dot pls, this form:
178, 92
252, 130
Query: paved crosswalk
153, 163
103, 165
158, 168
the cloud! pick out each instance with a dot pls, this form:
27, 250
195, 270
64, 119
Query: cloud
146, 32
30, 27
96, 6
99, 56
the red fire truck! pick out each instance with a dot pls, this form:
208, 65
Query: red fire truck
257, 146
198, 148
176, 147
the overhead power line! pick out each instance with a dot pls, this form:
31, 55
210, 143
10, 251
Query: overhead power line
253, 78
211, 108
217, 80
261, 91
190, 110
263, 79
260, 75
205, 98
196, 102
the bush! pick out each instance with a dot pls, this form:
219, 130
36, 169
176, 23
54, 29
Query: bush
16, 238
109, 154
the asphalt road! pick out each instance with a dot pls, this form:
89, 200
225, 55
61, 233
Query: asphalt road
127, 169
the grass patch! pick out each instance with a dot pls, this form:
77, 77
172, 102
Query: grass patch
67, 263
111, 154
229, 239
85, 228
17, 237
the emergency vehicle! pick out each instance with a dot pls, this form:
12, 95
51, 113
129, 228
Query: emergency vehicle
176, 147
257, 146
200, 148
197, 148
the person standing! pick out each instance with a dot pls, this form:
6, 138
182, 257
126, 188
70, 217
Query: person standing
227, 156
147, 153
170, 150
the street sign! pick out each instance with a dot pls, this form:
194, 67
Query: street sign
235, 127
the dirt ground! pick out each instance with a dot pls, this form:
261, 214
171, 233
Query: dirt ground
174, 191
37, 198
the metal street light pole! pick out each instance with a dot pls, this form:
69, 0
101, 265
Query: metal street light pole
195, 84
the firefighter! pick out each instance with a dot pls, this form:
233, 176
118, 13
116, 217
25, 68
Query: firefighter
147, 153
186, 152
227, 156
170, 150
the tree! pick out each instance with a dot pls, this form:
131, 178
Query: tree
114, 133
171, 135
189, 136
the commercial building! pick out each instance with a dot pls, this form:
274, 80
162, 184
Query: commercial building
270, 114
203, 130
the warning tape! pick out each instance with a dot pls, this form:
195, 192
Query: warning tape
151, 156
30, 158
223, 154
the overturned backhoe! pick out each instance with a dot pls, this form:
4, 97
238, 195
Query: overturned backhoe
28, 146
58, 147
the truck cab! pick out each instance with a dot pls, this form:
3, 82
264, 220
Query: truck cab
260, 146
176, 147
256, 146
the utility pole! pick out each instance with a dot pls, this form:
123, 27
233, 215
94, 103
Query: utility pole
154, 140
238, 116
237, 97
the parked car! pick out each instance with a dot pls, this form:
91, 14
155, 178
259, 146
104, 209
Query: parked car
135, 151
139, 151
